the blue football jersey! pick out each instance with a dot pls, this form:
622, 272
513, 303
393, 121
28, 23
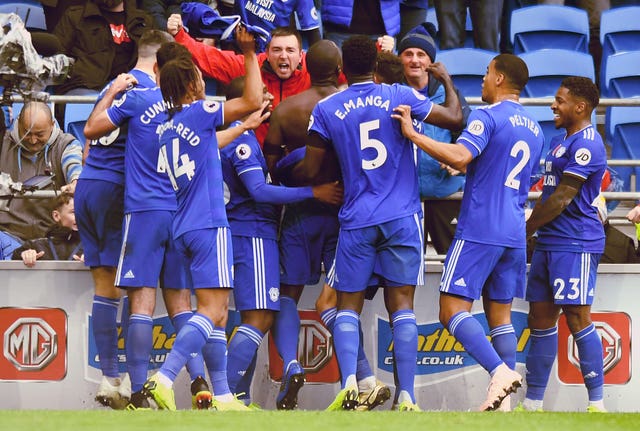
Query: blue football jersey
106, 155
246, 216
377, 161
270, 14
143, 109
506, 143
578, 227
188, 142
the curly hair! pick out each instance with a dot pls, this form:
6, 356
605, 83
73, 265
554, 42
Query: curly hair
359, 55
583, 88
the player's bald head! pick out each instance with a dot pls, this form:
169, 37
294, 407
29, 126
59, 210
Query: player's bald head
323, 60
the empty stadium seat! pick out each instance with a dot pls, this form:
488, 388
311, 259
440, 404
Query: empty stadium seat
619, 32
29, 11
76, 112
76, 128
623, 123
549, 26
547, 68
622, 76
467, 67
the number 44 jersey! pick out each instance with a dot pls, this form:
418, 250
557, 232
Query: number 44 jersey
506, 143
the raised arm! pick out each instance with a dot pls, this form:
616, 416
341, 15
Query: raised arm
98, 124
449, 114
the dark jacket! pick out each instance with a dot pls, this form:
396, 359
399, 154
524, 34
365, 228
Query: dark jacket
60, 243
85, 35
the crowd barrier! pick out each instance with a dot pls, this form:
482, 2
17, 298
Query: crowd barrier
49, 358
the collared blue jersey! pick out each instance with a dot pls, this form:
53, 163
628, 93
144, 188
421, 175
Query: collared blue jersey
188, 141
377, 161
506, 143
578, 227
270, 14
246, 216
143, 109
106, 155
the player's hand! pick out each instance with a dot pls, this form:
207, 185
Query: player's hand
403, 115
329, 193
438, 71
257, 117
174, 24
69, 188
78, 258
450, 170
245, 40
124, 81
634, 215
386, 43
30, 256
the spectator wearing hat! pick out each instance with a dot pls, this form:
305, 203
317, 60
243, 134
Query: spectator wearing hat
417, 52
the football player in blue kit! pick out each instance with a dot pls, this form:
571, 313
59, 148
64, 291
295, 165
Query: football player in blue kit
148, 253
253, 213
499, 149
189, 148
569, 245
380, 219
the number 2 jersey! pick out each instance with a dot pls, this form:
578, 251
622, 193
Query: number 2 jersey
188, 140
578, 227
377, 161
506, 143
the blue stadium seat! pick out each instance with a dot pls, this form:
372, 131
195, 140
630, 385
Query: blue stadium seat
624, 127
619, 32
29, 11
76, 128
547, 68
467, 67
622, 77
549, 26
76, 112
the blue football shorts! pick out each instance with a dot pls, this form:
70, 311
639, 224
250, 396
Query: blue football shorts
148, 252
390, 251
256, 278
99, 209
306, 242
562, 277
472, 270
209, 257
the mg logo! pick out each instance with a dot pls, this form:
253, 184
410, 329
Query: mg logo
314, 346
34, 344
611, 345
30, 344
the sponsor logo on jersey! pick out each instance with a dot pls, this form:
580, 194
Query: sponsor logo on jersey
476, 127
583, 156
439, 351
34, 344
614, 329
315, 351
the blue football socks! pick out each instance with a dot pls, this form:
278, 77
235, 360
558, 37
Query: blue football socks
138, 349
542, 353
345, 340
104, 315
470, 333
242, 349
405, 347
505, 343
195, 364
591, 362
286, 328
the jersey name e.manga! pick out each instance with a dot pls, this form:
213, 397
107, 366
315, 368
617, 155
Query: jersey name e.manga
377, 161
188, 141
506, 143
269, 14
578, 227
106, 155
246, 216
143, 109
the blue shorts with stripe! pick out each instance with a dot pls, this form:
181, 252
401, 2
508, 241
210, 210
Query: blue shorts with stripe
209, 257
307, 240
562, 277
256, 277
392, 251
148, 252
99, 209
472, 270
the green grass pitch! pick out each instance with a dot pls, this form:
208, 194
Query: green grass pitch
107, 420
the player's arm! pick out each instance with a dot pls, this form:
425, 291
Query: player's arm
99, 124
449, 114
455, 155
252, 93
316, 149
634, 214
544, 212
260, 191
227, 136
273, 148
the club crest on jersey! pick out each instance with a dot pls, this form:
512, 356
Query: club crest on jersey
274, 293
310, 122
476, 127
211, 106
559, 151
583, 156
243, 151
314, 13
